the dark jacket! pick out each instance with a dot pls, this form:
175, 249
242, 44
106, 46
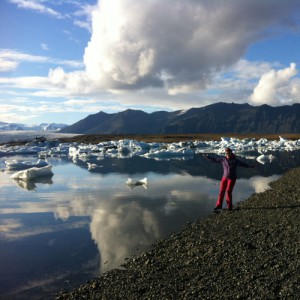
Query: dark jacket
229, 165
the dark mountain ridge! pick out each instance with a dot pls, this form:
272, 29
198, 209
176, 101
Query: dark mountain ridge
214, 118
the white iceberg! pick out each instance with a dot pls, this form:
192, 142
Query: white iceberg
33, 173
23, 165
169, 153
161, 151
265, 158
132, 183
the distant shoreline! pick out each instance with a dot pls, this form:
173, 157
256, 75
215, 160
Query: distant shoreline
21, 137
148, 138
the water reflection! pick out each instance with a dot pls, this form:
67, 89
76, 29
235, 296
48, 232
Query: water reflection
196, 166
31, 184
86, 221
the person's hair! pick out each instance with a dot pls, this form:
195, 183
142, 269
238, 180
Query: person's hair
228, 150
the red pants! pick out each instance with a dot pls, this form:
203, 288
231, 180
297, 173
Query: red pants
227, 186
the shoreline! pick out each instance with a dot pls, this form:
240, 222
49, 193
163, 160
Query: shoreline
250, 252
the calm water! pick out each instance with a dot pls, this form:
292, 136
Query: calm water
59, 232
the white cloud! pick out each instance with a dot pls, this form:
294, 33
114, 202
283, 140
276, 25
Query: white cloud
19, 56
135, 44
10, 59
85, 12
249, 70
82, 102
45, 47
294, 90
38, 7
7, 65
274, 87
82, 24
140, 55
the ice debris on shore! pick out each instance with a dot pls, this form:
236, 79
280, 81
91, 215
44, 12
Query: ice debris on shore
126, 148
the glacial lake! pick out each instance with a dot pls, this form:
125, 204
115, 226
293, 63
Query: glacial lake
59, 232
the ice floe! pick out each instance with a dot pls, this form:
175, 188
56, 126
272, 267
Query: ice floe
133, 183
13, 165
92, 155
126, 148
169, 153
263, 158
33, 173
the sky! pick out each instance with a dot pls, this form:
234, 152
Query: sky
62, 60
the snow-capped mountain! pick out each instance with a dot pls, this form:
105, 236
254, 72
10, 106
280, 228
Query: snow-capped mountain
40, 127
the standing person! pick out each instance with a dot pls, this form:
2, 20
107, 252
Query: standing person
229, 163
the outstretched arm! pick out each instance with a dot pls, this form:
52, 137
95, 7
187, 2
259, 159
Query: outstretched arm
244, 165
213, 159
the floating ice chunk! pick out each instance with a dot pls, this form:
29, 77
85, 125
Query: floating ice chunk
281, 139
271, 157
265, 158
139, 145
92, 166
128, 148
123, 150
262, 142
33, 173
56, 151
23, 165
133, 183
200, 144
225, 139
163, 153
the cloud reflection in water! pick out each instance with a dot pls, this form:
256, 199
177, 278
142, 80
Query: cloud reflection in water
120, 220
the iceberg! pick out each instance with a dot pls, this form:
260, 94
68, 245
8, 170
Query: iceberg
23, 165
168, 153
160, 151
133, 183
265, 158
33, 173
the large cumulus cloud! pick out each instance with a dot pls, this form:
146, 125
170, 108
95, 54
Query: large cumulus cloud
277, 87
177, 44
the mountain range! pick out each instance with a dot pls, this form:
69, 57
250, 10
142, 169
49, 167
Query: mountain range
40, 127
214, 118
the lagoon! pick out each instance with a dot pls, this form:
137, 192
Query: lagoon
59, 232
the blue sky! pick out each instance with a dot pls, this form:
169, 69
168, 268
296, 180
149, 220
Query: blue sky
61, 61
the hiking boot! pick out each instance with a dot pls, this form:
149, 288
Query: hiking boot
228, 209
217, 208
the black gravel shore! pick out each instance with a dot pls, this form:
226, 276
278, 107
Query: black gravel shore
252, 252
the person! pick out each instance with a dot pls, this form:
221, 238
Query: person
230, 164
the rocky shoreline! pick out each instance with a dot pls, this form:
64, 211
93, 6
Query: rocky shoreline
252, 252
